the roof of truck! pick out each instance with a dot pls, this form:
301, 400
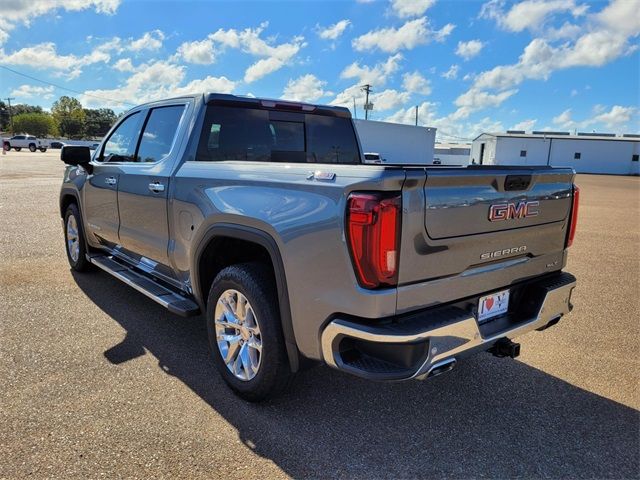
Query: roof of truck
261, 102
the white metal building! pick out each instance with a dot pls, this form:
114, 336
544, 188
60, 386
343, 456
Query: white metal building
452, 154
397, 143
586, 152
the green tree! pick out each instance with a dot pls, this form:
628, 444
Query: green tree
99, 121
70, 117
5, 124
38, 124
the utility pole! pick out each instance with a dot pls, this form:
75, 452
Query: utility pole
367, 106
416, 115
10, 114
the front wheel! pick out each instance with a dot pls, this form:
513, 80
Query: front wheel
245, 333
74, 239
17, 149
32, 148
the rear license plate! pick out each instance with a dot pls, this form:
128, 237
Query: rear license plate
493, 305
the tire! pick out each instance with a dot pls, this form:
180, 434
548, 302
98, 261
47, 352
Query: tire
43, 150
73, 230
17, 149
6, 146
273, 373
32, 147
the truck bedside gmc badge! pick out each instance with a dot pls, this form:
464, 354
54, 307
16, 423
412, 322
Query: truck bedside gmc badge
511, 211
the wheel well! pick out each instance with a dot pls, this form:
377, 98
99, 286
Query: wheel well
65, 202
222, 252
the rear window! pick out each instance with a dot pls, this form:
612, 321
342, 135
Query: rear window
250, 134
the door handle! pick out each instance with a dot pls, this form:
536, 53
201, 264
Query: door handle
110, 180
156, 187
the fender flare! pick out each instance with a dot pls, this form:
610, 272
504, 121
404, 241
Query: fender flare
262, 238
68, 192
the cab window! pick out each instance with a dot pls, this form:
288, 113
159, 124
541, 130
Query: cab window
121, 145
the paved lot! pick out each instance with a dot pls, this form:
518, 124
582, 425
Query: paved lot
98, 380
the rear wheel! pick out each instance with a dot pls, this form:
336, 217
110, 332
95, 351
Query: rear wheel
74, 239
17, 149
32, 147
42, 149
6, 146
245, 333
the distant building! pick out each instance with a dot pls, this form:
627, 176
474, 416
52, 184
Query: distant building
585, 152
452, 154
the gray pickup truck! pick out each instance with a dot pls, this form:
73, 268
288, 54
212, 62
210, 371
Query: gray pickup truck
262, 216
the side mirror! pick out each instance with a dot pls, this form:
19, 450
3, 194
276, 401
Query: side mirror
75, 155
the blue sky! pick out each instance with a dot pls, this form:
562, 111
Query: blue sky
469, 66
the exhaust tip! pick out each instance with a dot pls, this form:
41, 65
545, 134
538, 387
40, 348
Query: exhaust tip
442, 367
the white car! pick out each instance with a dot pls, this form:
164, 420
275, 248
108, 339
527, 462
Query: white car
18, 142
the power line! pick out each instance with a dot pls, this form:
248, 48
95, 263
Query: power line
65, 88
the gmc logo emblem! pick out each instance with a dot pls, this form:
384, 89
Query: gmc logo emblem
510, 211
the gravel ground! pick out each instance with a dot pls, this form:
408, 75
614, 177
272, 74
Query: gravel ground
97, 380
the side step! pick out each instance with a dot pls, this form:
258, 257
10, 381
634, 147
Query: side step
172, 301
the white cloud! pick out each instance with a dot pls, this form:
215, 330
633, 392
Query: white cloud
564, 120
473, 100
44, 56
199, 52
607, 36
31, 91
149, 41
617, 118
469, 49
452, 73
574, 92
410, 8
249, 41
307, 88
416, 83
333, 32
24, 11
153, 81
526, 125
388, 99
124, 65
376, 75
529, 14
448, 128
408, 36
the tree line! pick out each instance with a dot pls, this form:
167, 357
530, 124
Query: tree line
68, 118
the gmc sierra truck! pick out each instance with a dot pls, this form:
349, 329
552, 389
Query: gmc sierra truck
262, 216
18, 142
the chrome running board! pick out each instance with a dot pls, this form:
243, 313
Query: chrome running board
169, 299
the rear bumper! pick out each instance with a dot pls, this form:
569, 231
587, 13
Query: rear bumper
429, 342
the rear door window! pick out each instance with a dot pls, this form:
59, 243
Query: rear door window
159, 133
250, 134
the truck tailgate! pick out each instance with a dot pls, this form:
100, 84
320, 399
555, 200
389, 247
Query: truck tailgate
471, 230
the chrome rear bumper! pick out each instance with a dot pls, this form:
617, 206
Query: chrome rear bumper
430, 342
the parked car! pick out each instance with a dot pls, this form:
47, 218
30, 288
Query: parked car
18, 142
261, 215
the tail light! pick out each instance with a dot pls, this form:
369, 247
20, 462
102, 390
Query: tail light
574, 215
373, 231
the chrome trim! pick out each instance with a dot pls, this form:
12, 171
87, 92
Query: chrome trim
449, 341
